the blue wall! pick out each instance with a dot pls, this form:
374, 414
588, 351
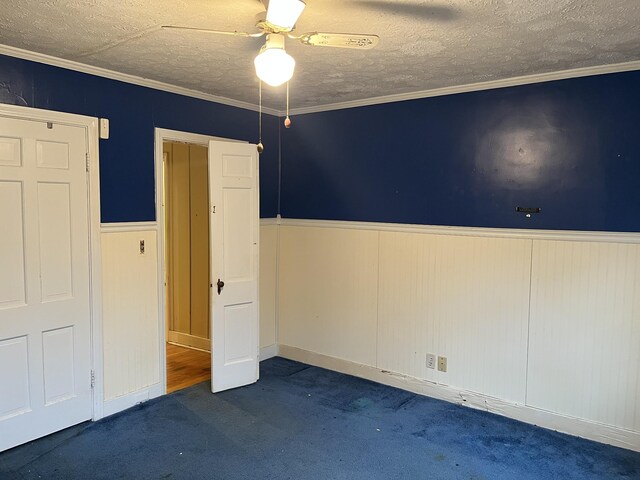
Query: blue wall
571, 147
127, 159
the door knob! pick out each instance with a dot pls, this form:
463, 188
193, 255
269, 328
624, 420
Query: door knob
220, 285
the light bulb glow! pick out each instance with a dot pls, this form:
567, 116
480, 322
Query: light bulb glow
274, 66
284, 13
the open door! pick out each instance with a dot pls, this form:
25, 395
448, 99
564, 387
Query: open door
234, 247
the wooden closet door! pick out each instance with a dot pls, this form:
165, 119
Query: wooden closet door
199, 215
178, 238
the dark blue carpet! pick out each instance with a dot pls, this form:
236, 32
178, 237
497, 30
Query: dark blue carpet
301, 422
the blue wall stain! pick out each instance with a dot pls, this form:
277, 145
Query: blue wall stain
127, 178
570, 147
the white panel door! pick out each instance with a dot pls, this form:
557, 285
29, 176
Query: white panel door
233, 184
45, 349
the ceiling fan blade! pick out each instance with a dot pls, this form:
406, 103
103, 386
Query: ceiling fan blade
339, 40
218, 32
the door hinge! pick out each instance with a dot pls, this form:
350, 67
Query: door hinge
87, 161
213, 209
93, 379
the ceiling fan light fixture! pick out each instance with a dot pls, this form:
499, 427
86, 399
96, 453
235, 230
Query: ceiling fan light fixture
284, 13
274, 66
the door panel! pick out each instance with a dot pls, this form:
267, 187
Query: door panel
58, 352
238, 234
10, 149
45, 342
12, 288
52, 154
233, 180
15, 381
54, 201
237, 320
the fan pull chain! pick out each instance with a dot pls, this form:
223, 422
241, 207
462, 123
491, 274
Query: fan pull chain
287, 120
260, 146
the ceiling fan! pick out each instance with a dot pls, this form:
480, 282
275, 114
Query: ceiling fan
273, 64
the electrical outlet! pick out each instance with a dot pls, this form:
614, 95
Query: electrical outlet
442, 364
431, 360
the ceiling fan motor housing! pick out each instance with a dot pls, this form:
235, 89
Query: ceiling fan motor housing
271, 28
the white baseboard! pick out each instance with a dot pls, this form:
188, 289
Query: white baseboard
574, 426
186, 340
127, 401
268, 352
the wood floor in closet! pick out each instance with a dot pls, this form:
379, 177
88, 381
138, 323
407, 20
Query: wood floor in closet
186, 367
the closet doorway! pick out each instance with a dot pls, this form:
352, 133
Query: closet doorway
186, 200
227, 270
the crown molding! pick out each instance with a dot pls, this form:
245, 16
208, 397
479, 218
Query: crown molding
132, 79
474, 87
436, 92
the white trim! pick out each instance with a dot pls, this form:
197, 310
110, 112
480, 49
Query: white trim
435, 92
90, 124
268, 352
127, 78
165, 135
554, 421
189, 341
531, 234
265, 222
474, 87
272, 350
277, 302
193, 138
131, 399
38, 114
128, 227
161, 135
96, 268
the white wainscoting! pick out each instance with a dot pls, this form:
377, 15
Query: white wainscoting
465, 298
268, 276
130, 312
539, 326
328, 286
584, 343
132, 368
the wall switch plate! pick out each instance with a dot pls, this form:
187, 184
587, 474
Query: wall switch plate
104, 128
431, 360
442, 364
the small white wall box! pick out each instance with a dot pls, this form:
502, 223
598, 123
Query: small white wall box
104, 128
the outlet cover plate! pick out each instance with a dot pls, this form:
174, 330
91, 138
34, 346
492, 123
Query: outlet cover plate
431, 361
442, 364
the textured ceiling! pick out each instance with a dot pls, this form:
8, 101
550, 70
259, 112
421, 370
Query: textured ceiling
424, 44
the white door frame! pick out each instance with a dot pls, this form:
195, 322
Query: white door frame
165, 135
90, 125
